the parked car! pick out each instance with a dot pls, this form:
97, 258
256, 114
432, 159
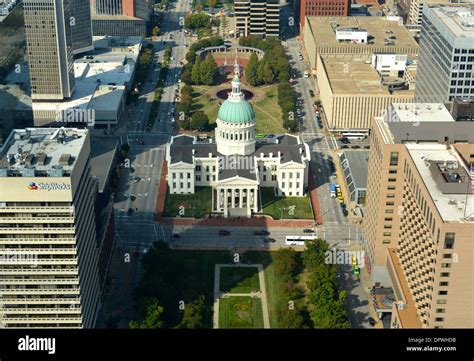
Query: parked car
269, 240
308, 230
344, 140
136, 179
311, 92
372, 322
224, 232
345, 212
175, 235
261, 233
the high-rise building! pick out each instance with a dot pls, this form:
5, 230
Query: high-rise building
49, 250
323, 8
121, 17
257, 17
49, 48
446, 57
420, 215
81, 26
416, 9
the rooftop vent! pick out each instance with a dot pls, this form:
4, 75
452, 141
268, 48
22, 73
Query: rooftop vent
41, 159
65, 159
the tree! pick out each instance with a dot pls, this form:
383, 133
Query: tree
187, 89
261, 65
186, 75
251, 70
193, 314
208, 70
155, 31
290, 318
152, 318
199, 120
196, 72
285, 262
267, 74
212, 3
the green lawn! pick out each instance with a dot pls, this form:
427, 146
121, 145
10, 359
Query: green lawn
201, 201
281, 207
239, 279
240, 312
267, 111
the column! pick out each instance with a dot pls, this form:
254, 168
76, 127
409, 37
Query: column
255, 195
225, 201
232, 201
241, 198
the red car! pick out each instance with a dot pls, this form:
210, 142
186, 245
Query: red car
224, 232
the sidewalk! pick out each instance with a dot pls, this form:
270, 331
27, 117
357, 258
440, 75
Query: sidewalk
256, 221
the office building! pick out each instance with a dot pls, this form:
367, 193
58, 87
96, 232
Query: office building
420, 215
48, 268
446, 54
257, 17
323, 8
49, 49
101, 84
81, 26
415, 13
356, 36
121, 17
352, 91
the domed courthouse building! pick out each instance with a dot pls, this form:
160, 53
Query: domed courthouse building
236, 166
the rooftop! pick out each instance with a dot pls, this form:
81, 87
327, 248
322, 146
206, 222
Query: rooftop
458, 19
423, 123
380, 29
446, 178
356, 168
47, 152
102, 157
355, 76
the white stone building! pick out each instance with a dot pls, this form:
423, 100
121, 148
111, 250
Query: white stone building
236, 166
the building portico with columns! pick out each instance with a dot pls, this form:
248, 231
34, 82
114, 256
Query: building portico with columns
234, 164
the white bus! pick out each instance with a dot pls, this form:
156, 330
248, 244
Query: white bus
353, 136
297, 240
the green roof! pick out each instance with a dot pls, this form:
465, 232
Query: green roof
236, 112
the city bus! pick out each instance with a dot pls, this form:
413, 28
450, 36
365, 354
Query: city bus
352, 136
297, 240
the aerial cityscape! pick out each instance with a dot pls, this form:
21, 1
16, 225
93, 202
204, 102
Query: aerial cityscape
237, 164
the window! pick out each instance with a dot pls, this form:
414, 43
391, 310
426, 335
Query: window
274, 177
444, 274
189, 175
173, 175
439, 319
392, 171
389, 203
393, 158
447, 255
441, 302
444, 284
189, 185
207, 168
207, 178
389, 211
283, 185
392, 179
283, 175
443, 293
388, 219
264, 178
198, 178
386, 241
387, 234
449, 240
181, 185
446, 265
391, 195
174, 184
391, 188
440, 310
198, 168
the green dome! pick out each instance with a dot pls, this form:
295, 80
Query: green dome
236, 112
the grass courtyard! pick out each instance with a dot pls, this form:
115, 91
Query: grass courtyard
240, 312
239, 279
265, 104
285, 207
195, 205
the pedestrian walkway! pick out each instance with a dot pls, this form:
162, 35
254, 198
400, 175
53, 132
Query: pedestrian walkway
162, 189
313, 196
